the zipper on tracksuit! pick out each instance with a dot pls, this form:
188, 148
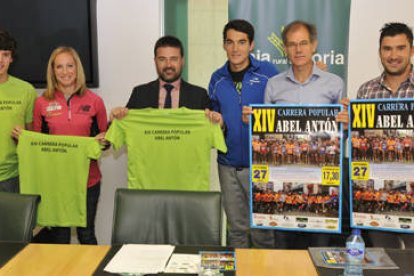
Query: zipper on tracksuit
69, 108
239, 94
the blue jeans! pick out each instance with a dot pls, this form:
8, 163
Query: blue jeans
86, 235
235, 189
10, 185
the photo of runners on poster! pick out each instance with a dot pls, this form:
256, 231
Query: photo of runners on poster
296, 157
381, 164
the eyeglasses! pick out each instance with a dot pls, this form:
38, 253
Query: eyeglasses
303, 43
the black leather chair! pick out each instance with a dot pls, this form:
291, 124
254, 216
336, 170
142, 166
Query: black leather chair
17, 216
391, 240
167, 217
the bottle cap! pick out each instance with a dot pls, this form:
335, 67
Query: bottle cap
356, 231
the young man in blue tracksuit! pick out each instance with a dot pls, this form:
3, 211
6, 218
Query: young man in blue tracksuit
240, 82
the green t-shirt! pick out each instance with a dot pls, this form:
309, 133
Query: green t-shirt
16, 108
57, 167
167, 148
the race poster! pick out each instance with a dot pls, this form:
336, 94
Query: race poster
381, 164
296, 157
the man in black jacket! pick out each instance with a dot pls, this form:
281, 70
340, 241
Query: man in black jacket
169, 90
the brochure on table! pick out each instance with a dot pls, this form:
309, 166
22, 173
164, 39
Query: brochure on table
333, 257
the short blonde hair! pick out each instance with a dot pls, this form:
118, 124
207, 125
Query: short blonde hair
52, 83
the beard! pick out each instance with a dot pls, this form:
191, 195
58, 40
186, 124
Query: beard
172, 76
395, 73
398, 71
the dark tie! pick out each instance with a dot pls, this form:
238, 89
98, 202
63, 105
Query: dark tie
168, 87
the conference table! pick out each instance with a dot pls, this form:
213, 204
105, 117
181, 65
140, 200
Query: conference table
274, 262
54, 259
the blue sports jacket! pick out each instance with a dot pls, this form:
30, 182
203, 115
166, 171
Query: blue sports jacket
226, 100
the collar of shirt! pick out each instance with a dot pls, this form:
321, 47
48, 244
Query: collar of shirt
59, 94
316, 73
175, 94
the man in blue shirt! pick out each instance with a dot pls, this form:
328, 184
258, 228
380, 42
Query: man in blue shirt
303, 82
240, 82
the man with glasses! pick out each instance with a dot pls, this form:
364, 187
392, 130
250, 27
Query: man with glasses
303, 83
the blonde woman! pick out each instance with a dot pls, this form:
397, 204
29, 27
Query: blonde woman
67, 107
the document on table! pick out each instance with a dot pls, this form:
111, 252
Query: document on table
140, 258
184, 264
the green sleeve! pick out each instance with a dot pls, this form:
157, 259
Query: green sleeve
32, 95
94, 149
115, 134
218, 138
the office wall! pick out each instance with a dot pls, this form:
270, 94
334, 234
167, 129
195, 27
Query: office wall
205, 53
127, 30
367, 18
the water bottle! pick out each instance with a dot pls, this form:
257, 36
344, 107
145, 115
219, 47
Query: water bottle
355, 251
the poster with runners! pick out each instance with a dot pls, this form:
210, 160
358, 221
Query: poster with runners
296, 157
381, 164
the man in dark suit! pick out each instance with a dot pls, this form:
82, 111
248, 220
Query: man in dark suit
148, 95
169, 90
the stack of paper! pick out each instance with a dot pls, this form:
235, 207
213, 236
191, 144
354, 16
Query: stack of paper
140, 258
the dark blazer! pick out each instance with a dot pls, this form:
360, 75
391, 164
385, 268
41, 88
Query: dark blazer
146, 95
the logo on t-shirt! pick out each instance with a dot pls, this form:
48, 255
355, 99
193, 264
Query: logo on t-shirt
53, 109
53, 106
84, 108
